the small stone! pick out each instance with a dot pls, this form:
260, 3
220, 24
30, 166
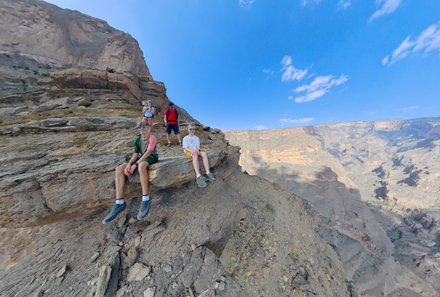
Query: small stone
138, 272
150, 292
137, 241
54, 122
221, 286
103, 278
168, 268
92, 292
193, 246
121, 221
94, 257
131, 221
38, 293
122, 291
223, 279
85, 102
61, 271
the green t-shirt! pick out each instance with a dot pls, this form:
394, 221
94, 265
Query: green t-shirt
141, 145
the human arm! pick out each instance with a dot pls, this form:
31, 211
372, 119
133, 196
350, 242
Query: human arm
165, 117
131, 166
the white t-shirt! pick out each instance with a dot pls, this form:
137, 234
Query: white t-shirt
191, 143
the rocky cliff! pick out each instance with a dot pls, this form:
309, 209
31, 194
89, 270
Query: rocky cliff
69, 102
373, 189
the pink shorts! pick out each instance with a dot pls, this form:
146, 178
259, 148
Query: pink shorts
149, 121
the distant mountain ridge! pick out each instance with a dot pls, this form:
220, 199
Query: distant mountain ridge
372, 186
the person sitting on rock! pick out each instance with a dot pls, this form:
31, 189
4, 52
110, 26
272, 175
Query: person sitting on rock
171, 119
148, 112
143, 156
191, 147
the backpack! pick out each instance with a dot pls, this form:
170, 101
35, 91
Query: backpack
172, 115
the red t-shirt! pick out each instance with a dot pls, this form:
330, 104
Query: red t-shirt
171, 115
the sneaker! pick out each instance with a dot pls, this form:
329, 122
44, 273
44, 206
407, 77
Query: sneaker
116, 209
201, 183
169, 144
210, 177
143, 210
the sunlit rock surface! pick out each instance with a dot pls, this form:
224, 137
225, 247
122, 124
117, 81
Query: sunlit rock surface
69, 103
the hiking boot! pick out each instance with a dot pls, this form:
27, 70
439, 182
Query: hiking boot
210, 177
114, 211
201, 183
143, 210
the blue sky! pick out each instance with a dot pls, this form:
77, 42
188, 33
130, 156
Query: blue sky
257, 64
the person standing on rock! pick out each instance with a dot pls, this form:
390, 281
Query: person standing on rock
148, 112
171, 119
191, 147
144, 155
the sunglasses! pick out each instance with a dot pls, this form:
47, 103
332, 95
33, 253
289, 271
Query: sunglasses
142, 126
191, 129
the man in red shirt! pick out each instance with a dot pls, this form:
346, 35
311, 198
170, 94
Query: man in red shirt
171, 119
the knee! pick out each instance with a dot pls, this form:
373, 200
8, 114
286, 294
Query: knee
143, 166
120, 169
204, 154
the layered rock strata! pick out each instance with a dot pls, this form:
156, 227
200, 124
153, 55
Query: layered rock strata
69, 104
372, 187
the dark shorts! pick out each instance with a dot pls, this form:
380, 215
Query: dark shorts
174, 127
151, 159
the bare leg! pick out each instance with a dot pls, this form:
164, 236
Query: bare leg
195, 158
205, 160
120, 180
168, 138
144, 177
178, 137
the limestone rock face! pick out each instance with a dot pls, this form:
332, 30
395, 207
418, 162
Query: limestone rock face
67, 121
373, 188
65, 38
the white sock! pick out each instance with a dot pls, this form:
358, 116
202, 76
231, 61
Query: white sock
120, 201
145, 197
207, 172
198, 175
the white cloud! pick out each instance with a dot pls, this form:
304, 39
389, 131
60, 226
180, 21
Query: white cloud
343, 4
246, 3
427, 41
305, 2
296, 121
290, 72
260, 127
320, 86
408, 108
387, 7
268, 71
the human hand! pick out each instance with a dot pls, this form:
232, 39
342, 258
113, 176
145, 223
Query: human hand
127, 170
133, 168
